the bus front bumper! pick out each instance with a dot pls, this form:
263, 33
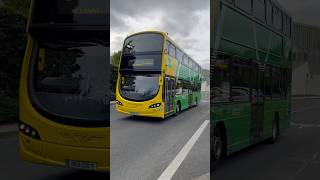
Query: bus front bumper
156, 113
41, 152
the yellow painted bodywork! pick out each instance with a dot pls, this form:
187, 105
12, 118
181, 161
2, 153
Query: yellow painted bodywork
59, 142
141, 108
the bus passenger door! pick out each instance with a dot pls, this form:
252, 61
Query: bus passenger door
169, 94
257, 104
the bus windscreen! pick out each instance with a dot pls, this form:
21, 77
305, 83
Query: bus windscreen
70, 80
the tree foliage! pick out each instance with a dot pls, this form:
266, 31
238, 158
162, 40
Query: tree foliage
13, 39
115, 58
18, 6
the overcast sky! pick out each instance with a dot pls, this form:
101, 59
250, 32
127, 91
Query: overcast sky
303, 11
186, 21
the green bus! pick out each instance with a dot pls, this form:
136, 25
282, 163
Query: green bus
250, 74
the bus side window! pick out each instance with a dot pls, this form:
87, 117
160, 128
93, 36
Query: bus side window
276, 80
241, 79
179, 55
172, 51
220, 86
167, 46
244, 5
185, 59
179, 88
268, 83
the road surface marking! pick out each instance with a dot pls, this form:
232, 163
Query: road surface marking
174, 165
299, 125
203, 177
303, 109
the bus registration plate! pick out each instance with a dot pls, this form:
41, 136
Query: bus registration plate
81, 165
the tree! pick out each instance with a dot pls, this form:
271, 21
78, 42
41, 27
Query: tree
19, 6
115, 58
13, 22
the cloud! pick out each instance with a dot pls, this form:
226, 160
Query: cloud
186, 22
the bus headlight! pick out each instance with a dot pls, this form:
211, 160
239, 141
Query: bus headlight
28, 130
119, 103
155, 105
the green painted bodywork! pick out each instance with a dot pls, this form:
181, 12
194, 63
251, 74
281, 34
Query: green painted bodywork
185, 73
235, 33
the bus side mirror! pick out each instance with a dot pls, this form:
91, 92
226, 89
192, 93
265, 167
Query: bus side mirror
41, 59
160, 82
122, 80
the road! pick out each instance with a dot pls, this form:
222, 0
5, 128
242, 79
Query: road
295, 156
13, 168
147, 149
141, 149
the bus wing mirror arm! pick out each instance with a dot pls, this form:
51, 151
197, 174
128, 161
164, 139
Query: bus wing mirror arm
166, 51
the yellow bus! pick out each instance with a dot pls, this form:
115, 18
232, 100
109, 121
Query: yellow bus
64, 105
156, 78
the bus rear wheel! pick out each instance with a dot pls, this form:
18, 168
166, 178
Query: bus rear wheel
178, 108
219, 146
275, 131
196, 103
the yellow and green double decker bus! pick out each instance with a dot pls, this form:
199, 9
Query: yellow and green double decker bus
250, 74
156, 78
64, 105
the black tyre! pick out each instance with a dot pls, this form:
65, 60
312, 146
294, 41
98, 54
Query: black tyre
178, 108
196, 103
275, 131
219, 146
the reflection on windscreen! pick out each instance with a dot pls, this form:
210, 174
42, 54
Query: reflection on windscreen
139, 87
71, 79
142, 52
146, 42
93, 12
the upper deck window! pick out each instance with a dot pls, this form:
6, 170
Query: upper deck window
244, 5
259, 9
75, 12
